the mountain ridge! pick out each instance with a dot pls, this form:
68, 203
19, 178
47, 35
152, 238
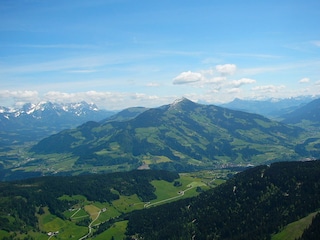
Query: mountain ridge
183, 135
31, 122
272, 108
308, 112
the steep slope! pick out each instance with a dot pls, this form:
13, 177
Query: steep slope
307, 117
309, 112
253, 205
180, 136
125, 114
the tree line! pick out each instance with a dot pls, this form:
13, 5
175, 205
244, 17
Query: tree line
253, 205
20, 200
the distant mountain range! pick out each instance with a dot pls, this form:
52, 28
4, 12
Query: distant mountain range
309, 112
180, 136
271, 108
31, 122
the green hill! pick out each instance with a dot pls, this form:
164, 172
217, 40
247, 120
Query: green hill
49, 203
181, 136
33, 208
254, 204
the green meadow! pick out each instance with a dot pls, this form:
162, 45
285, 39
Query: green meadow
294, 230
75, 221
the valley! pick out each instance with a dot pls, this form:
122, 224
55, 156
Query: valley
81, 218
83, 182
183, 136
269, 199
159, 120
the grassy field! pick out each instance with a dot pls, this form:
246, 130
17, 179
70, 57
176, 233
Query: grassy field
294, 230
51, 223
165, 192
116, 231
76, 219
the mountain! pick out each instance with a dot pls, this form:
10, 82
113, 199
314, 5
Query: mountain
125, 114
272, 108
32, 122
254, 204
180, 136
309, 112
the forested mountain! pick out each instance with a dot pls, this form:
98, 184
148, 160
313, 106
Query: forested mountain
253, 205
31, 122
180, 136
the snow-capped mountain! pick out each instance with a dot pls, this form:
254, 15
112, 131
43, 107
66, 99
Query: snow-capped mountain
35, 121
41, 109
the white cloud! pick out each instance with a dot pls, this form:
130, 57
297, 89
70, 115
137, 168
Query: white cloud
206, 76
226, 69
242, 81
268, 88
20, 96
207, 72
109, 100
217, 80
234, 90
187, 77
152, 84
304, 80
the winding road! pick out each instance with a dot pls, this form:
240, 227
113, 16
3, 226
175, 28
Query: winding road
180, 194
90, 226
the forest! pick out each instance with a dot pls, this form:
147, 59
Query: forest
20, 200
253, 205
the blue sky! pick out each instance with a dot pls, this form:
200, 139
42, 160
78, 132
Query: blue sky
122, 53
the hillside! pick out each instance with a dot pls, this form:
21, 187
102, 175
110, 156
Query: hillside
253, 205
181, 136
66, 207
125, 114
309, 112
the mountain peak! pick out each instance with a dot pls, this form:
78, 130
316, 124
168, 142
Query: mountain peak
179, 100
181, 103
